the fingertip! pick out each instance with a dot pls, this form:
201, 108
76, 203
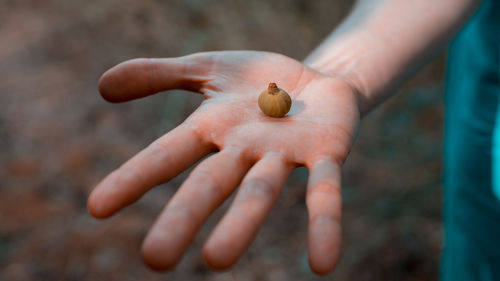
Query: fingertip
156, 257
324, 244
227, 243
96, 208
105, 88
114, 81
321, 265
320, 269
215, 258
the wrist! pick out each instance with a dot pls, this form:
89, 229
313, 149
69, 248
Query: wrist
357, 59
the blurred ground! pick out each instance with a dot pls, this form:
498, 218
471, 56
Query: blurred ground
59, 138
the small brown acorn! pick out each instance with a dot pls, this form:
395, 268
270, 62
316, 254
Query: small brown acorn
275, 102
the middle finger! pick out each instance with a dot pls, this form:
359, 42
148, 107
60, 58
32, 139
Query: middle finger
258, 193
208, 185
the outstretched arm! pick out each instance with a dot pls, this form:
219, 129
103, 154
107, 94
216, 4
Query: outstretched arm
382, 42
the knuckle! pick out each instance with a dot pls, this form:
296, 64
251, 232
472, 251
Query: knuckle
260, 188
126, 175
334, 157
204, 176
325, 187
208, 181
153, 70
324, 218
181, 214
247, 220
161, 150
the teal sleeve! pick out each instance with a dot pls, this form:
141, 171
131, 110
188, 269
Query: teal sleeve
472, 151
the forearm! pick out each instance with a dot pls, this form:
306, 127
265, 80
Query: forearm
382, 42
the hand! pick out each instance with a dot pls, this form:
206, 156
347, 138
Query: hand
255, 151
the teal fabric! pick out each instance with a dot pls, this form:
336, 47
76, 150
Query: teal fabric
472, 145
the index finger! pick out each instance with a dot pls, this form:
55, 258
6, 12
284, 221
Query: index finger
158, 163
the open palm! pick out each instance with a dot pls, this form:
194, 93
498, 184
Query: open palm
255, 151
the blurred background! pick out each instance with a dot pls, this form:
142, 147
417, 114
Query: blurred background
58, 138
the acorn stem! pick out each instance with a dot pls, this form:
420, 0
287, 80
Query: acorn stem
273, 88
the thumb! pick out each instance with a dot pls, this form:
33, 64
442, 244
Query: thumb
139, 78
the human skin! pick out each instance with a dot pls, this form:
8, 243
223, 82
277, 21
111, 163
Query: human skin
357, 67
